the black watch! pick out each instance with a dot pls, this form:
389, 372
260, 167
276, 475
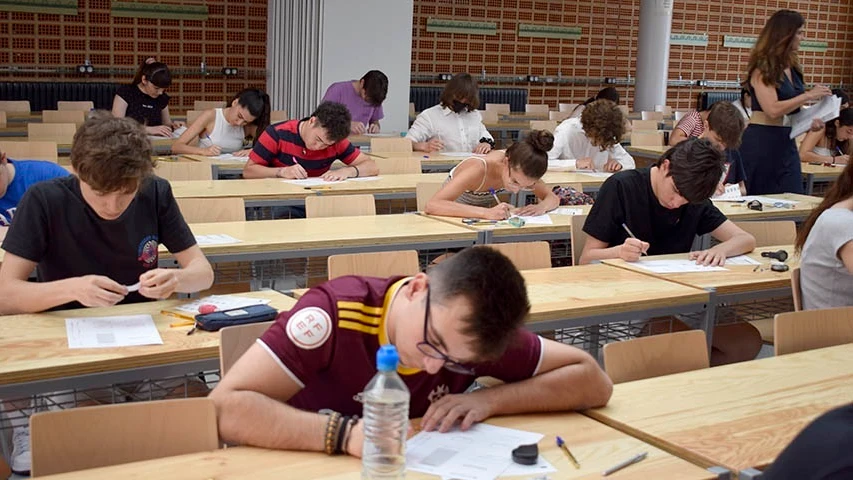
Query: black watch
490, 141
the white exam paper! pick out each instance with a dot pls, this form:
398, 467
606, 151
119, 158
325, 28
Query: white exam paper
221, 302
310, 182
107, 332
742, 260
731, 194
215, 239
767, 201
675, 266
230, 157
564, 165
567, 211
826, 109
461, 154
537, 220
592, 173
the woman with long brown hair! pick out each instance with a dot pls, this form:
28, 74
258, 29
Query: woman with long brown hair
825, 243
775, 82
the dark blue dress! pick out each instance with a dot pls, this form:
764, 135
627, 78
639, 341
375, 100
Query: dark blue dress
770, 158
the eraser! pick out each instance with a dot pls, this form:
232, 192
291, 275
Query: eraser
526, 454
206, 308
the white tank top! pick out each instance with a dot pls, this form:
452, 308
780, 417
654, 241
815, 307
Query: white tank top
228, 137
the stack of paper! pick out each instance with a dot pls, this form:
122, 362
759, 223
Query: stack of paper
310, 182
215, 239
731, 194
229, 157
567, 211
826, 109
675, 266
106, 332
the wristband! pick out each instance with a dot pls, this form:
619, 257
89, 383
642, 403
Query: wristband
357, 173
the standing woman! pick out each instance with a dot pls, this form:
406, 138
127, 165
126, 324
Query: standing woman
146, 101
775, 82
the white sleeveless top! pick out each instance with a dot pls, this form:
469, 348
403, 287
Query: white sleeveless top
228, 137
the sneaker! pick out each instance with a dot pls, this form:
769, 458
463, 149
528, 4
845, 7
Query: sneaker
21, 461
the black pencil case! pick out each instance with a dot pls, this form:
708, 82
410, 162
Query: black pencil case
212, 322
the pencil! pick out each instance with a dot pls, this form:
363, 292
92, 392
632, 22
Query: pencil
632, 235
620, 466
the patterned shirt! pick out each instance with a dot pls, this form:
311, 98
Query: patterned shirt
692, 124
281, 146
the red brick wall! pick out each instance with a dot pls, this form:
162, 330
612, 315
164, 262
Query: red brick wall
608, 46
234, 35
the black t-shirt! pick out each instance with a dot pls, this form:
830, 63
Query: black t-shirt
141, 107
822, 451
736, 172
57, 229
627, 197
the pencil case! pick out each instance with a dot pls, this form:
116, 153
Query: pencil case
212, 322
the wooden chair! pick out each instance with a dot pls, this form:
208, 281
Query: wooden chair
212, 210
810, 329
425, 191
500, 108
78, 106
390, 145
646, 138
657, 116
525, 255
61, 133
625, 110
679, 114
375, 264
549, 125
543, 109
578, 237
666, 110
2, 119
278, 116
339, 206
771, 233
644, 125
489, 117
174, 171
15, 106
77, 117
398, 166
207, 105
30, 150
558, 116
192, 116
91, 437
567, 107
656, 355
796, 289
234, 341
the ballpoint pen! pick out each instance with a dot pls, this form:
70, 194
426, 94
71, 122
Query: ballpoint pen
628, 230
565, 449
619, 466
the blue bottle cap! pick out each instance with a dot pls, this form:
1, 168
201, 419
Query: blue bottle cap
387, 358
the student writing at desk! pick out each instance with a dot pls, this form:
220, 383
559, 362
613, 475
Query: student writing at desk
16, 177
833, 143
471, 187
462, 319
363, 98
308, 147
593, 139
146, 101
666, 206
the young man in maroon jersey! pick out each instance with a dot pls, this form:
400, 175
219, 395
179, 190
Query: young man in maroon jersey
461, 320
307, 148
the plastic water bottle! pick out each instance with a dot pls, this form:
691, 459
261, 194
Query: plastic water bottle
386, 420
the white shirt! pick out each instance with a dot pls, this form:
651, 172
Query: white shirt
460, 132
745, 112
570, 142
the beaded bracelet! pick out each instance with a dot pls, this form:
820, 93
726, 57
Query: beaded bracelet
332, 425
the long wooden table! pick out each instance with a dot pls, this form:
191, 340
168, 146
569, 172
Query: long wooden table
738, 211
560, 228
256, 193
161, 146
35, 358
596, 447
819, 174
219, 168
738, 416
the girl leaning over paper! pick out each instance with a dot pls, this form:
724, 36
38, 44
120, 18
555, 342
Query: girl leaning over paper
775, 82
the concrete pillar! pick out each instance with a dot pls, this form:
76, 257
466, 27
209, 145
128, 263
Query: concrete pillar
652, 54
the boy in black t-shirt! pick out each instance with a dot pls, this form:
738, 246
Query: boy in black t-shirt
666, 206
94, 237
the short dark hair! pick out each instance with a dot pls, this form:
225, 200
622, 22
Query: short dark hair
840, 93
462, 85
335, 119
696, 167
531, 154
725, 120
155, 72
495, 291
603, 123
375, 86
111, 154
608, 93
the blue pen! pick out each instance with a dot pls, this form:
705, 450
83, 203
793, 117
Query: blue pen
495, 195
838, 149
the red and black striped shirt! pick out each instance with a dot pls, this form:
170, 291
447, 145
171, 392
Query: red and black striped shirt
281, 146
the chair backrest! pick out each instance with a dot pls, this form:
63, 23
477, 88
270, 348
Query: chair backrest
646, 138
99, 436
390, 145
374, 264
192, 116
651, 115
2, 119
567, 107
530, 108
212, 210
174, 171
425, 191
796, 290
61, 133
15, 106
810, 329
207, 105
489, 116
780, 232
525, 255
679, 114
625, 110
549, 125
339, 206
278, 116
398, 166
500, 108
77, 117
656, 355
81, 106
644, 124
665, 109
558, 116
412, 111
578, 237
234, 341
30, 150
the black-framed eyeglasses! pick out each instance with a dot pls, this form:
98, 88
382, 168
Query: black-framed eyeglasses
432, 351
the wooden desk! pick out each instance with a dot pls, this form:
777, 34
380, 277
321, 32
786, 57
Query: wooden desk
256, 193
645, 155
737, 416
738, 212
595, 445
14, 130
161, 147
589, 183
504, 232
220, 168
383, 187
34, 353
430, 162
819, 174
364, 140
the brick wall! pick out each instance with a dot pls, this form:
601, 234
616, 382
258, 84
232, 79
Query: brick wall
234, 35
608, 45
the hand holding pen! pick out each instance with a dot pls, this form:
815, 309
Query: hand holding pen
501, 210
633, 248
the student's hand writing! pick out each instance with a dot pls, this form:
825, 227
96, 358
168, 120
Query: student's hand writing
714, 257
373, 128
98, 291
356, 128
176, 124
294, 171
841, 159
242, 153
584, 164
159, 131
632, 249
212, 150
500, 211
531, 210
431, 145
338, 174
612, 166
483, 148
721, 189
158, 283
466, 408
818, 92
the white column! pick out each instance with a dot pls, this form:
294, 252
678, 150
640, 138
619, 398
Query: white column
652, 54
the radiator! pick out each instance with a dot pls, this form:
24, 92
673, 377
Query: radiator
44, 95
425, 97
706, 99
